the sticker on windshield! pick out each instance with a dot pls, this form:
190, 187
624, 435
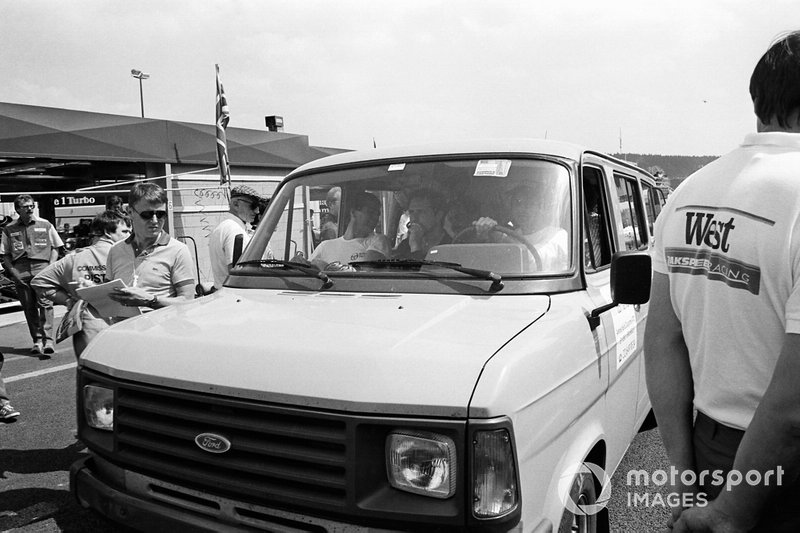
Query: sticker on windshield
496, 168
624, 319
397, 166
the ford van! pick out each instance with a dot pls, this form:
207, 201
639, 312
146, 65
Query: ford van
487, 378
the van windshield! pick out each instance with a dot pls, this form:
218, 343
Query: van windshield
507, 216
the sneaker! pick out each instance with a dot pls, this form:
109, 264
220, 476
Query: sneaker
6, 412
37, 348
48, 348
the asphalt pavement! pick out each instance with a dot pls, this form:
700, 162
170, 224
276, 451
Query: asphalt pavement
37, 449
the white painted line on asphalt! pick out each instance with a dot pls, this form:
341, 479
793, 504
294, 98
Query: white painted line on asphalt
39, 372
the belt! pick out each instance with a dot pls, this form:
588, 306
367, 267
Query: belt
705, 424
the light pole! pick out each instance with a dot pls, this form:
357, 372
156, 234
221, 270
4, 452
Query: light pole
138, 74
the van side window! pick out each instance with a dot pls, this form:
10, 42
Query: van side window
650, 203
632, 216
596, 243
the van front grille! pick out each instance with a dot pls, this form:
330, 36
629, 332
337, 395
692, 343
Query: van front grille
281, 456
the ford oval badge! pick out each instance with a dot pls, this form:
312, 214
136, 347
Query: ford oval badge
212, 443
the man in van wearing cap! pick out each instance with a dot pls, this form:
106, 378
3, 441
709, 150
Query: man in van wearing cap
244, 206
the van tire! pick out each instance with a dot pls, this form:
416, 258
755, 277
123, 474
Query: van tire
583, 492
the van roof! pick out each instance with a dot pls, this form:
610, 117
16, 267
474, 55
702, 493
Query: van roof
500, 146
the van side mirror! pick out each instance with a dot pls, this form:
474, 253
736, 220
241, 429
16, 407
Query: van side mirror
631, 275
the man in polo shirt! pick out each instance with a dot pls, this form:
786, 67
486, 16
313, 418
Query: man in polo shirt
156, 268
27, 246
244, 206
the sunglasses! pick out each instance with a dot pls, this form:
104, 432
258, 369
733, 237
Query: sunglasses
29, 206
148, 215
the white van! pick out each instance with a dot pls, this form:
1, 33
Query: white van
488, 381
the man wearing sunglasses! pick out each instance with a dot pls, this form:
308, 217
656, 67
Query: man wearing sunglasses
27, 247
244, 206
156, 268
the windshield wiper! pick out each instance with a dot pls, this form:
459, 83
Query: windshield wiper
327, 282
496, 279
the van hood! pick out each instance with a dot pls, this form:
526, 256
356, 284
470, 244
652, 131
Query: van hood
404, 354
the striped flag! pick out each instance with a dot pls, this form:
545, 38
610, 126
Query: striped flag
223, 116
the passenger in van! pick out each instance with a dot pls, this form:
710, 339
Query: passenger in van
359, 242
532, 218
426, 215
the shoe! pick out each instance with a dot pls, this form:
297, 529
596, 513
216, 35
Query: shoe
48, 348
37, 348
7, 412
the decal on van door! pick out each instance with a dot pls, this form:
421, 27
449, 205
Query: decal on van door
624, 320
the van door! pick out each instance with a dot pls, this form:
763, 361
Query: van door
618, 339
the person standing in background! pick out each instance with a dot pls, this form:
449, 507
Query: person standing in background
329, 225
243, 209
28, 246
59, 281
7, 412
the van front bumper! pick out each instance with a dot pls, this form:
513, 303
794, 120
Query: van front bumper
143, 515
148, 504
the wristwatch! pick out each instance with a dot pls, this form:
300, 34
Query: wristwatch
152, 302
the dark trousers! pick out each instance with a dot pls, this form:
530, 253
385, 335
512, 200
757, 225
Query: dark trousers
3, 394
715, 448
38, 312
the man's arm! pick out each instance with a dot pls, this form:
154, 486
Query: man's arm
9, 269
770, 444
669, 377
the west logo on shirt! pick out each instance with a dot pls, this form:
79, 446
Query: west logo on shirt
704, 228
708, 240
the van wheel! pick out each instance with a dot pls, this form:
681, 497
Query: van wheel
582, 493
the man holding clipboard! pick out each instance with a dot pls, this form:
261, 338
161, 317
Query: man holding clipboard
156, 268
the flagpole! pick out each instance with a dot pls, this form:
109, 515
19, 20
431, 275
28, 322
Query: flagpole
222, 119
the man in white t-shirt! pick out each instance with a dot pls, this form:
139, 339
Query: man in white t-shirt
244, 206
723, 331
359, 242
531, 216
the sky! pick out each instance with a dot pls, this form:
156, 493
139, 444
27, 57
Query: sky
632, 75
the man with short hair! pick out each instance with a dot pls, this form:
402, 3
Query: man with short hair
532, 218
723, 331
425, 228
28, 245
59, 281
359, 242
244, 207
156, 268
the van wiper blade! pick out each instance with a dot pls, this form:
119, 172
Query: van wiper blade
496, 279
327, 282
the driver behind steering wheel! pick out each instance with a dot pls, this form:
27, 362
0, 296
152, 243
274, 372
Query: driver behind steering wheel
531, 217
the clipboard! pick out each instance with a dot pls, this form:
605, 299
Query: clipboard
97, 296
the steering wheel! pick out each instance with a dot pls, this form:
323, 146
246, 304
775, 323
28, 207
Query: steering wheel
506, 231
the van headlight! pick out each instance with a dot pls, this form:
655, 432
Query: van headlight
98, 407
494, 483
422, 463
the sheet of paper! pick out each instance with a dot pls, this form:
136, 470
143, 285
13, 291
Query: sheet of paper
97, 295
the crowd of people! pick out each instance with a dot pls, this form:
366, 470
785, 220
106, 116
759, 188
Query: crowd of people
130, 244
